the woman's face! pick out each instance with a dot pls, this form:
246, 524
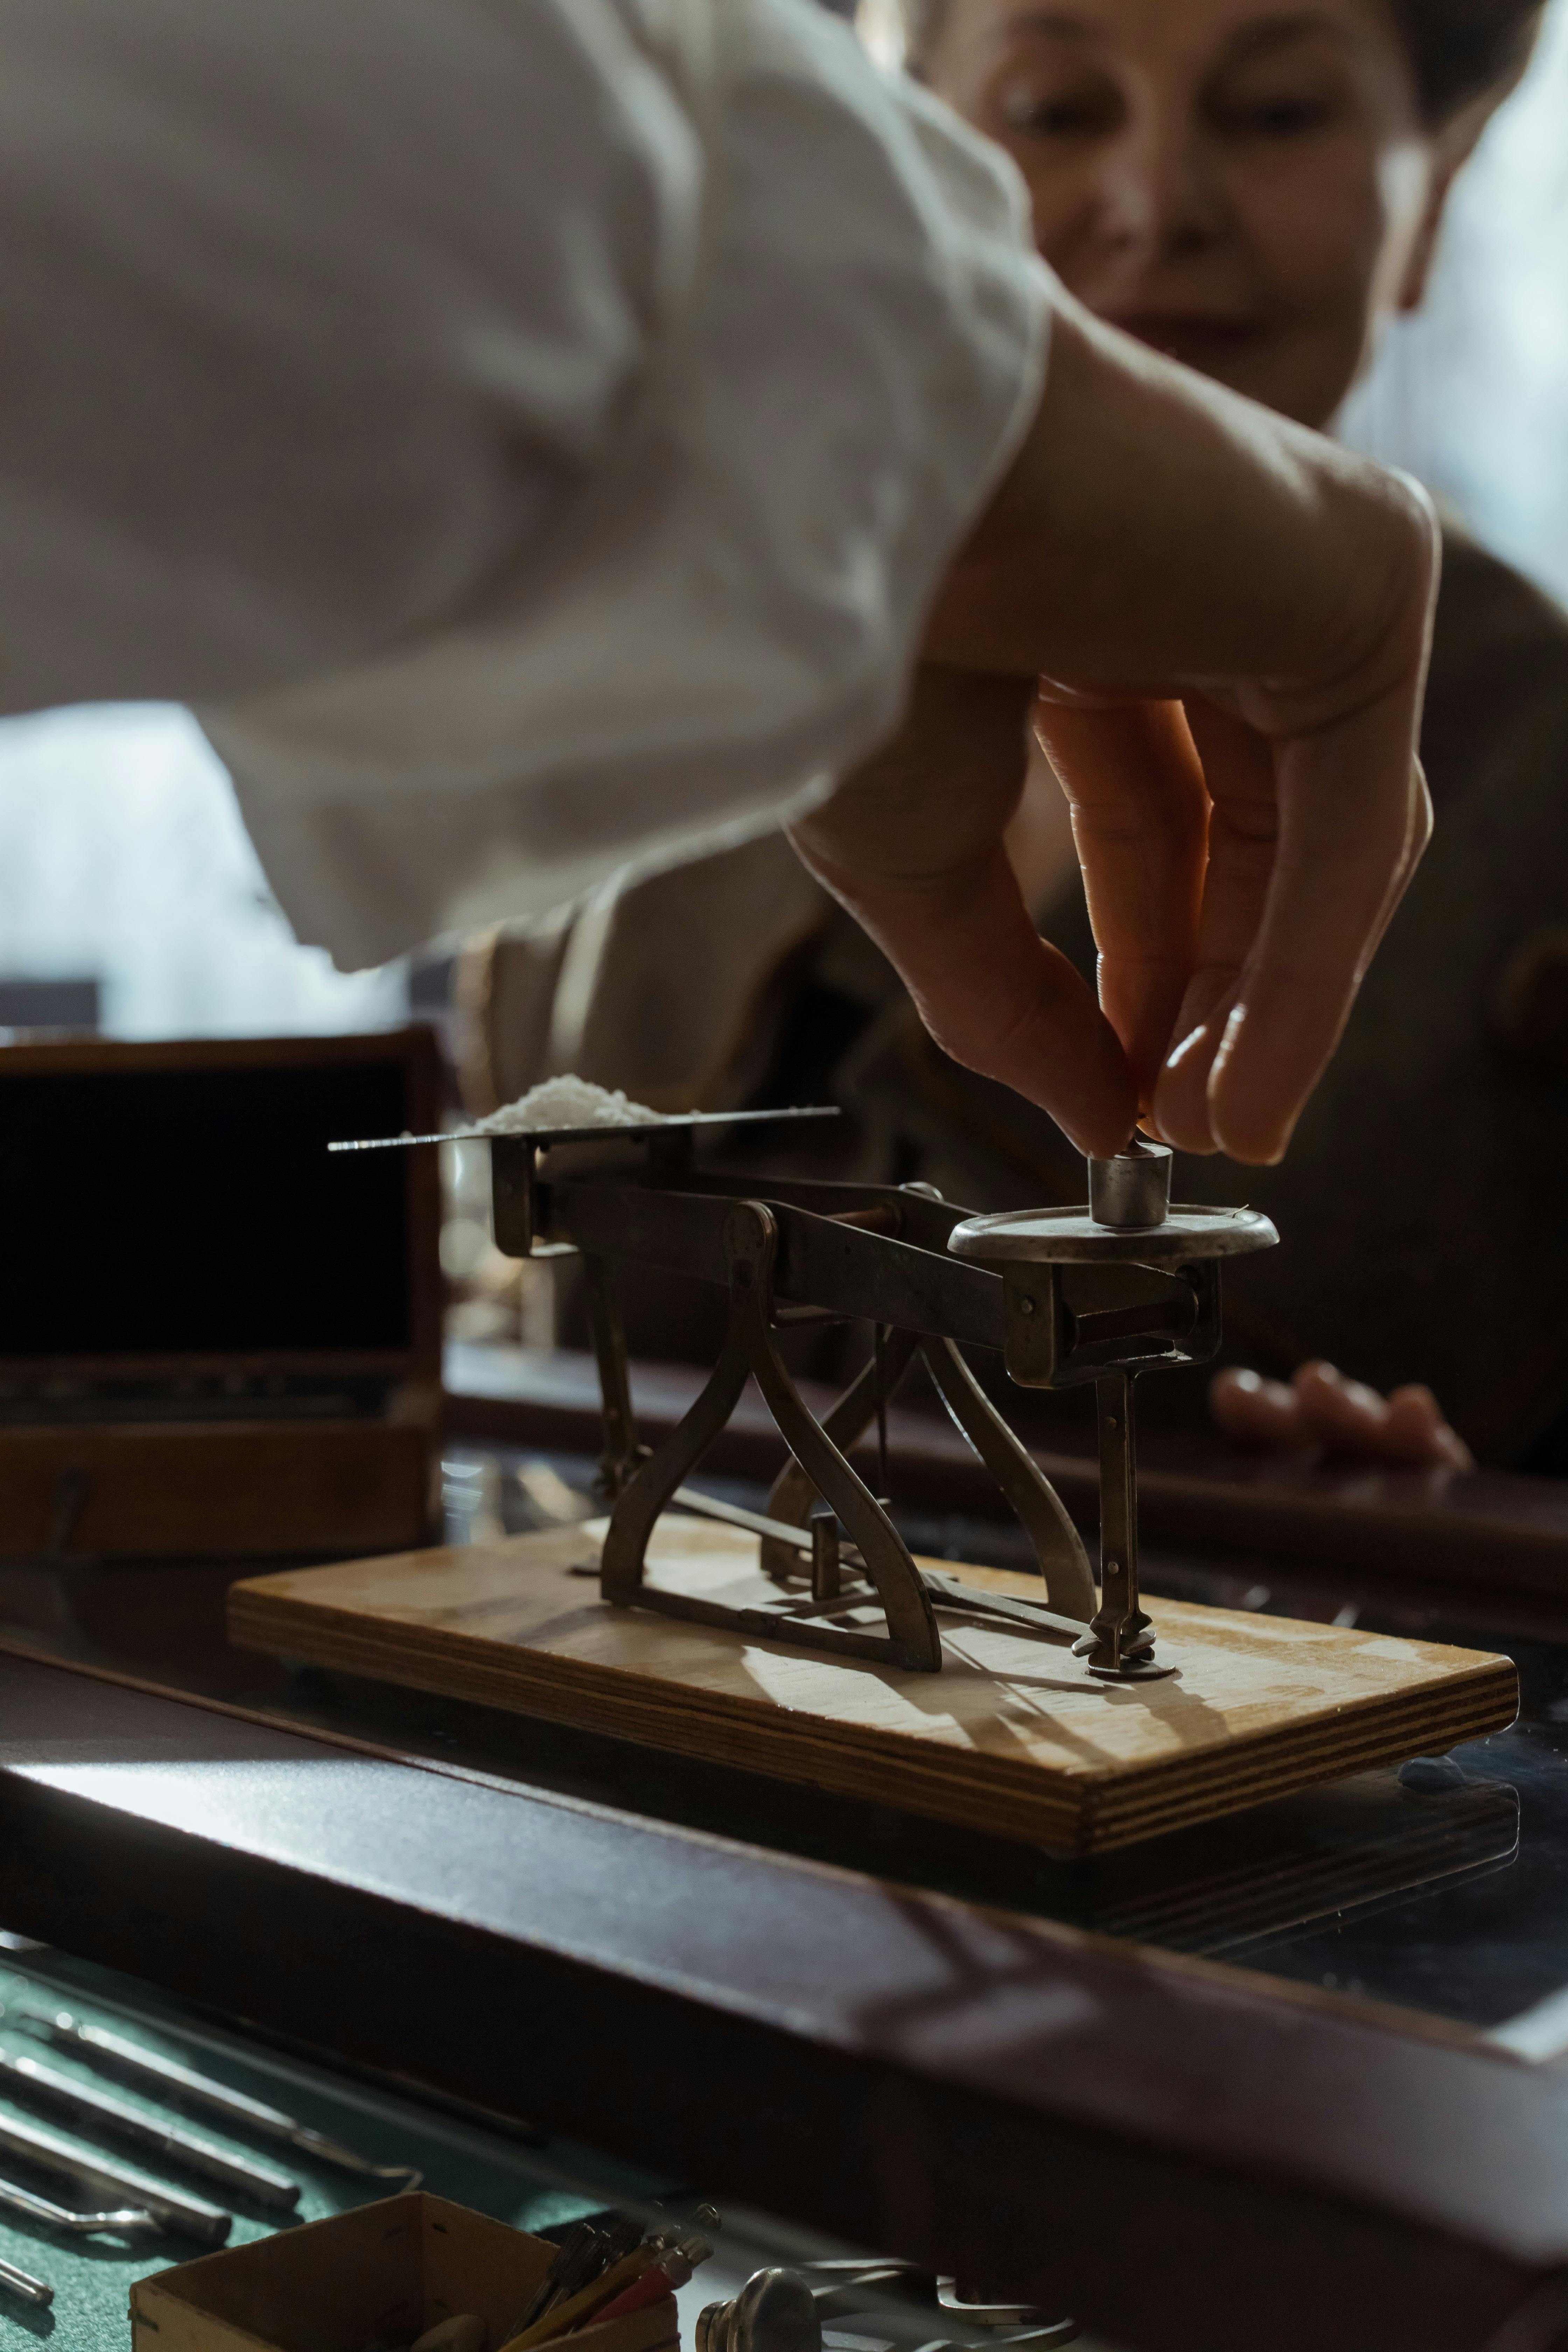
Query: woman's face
1245, 184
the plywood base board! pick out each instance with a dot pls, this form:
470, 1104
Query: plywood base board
1009, 1738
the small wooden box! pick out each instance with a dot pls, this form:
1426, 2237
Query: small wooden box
337, 2285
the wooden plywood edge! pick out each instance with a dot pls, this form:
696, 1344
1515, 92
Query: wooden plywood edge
1282, 1762
618, 1702
1064, 1812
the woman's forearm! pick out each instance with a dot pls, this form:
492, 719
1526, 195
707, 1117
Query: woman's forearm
1156, 530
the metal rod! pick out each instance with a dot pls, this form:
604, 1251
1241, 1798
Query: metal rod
947, 1592
1057, 1544
735, 1515
162, 2076
620, 1458
23, 2283
165, 2078
879, 1347
1119, 1511
134, 2220
826, 1580
1118, 1642
172, 2209
91, 2109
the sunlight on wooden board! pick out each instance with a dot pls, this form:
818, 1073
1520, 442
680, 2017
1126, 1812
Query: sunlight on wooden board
1011, 1736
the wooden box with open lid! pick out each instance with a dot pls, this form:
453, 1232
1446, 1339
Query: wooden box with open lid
215, 1337
338, 2285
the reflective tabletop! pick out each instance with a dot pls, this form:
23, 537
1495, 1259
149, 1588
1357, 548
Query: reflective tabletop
1441, 1889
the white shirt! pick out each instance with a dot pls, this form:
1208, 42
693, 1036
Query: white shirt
530, 431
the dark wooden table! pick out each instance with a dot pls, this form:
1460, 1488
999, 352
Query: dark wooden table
1187, 2157
687, 1971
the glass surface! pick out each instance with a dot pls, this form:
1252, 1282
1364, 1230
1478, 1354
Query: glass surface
531, 2184
1452, 1901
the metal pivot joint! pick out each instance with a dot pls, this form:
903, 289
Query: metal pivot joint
1130, 1288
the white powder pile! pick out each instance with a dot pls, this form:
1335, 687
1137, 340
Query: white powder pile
566, 1102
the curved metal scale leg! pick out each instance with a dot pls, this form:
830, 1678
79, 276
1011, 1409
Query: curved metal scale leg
791, 1494
1058, 1545
911, 1639
651, 1488
622, 1454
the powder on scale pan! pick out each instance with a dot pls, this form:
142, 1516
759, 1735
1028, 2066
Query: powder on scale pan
566, 1102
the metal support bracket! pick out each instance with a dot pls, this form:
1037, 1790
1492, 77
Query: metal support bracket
912, 1640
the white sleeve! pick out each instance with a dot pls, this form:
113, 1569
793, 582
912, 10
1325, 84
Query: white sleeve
532, 431
315, 316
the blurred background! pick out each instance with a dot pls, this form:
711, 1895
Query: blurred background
131, 900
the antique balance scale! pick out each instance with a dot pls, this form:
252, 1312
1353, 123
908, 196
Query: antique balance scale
805, 1641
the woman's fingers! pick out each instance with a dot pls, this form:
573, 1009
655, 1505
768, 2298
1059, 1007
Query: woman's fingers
1237, 884
1345, 1415
1256, 1411
1353, 819
1417, 1431
1140, 816
993, 994
1321, 1407
1239, 773
1348, 1417
912, 845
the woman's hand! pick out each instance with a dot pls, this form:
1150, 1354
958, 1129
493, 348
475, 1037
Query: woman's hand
1320, 1407
913, 846
1233, 618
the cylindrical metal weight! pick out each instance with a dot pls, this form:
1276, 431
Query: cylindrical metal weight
1133, 1189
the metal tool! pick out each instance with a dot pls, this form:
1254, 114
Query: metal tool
672, 2269
588, 2250
164, 2078
23, 2283
91, 2108
774, 2312
584, 2252
902, 2298
1061, 1296
170, 2209
128, 2221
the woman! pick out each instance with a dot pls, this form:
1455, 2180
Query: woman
1255, 189
1259, 190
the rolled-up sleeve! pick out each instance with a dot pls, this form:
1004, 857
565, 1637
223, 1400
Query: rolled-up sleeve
532, 431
